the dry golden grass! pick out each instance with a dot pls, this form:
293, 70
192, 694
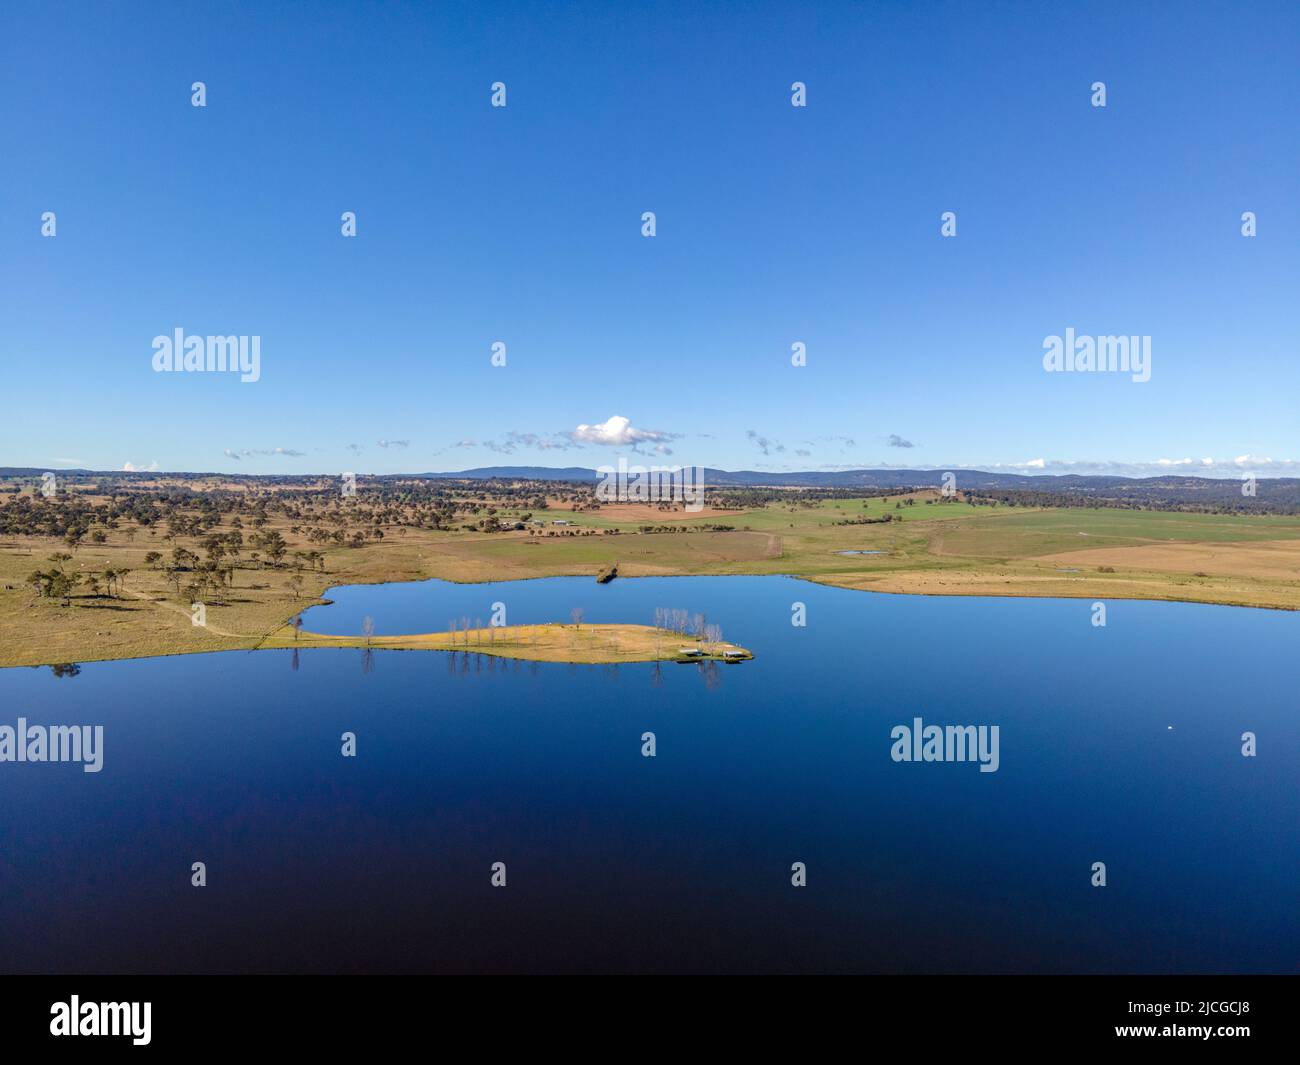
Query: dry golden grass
1027, 580
539, 643
146, 618
1278, 559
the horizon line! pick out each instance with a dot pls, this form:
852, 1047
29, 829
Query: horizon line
483, 472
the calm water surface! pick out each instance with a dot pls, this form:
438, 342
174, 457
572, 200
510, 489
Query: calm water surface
681, 862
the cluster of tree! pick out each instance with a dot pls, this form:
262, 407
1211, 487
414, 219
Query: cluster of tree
475, 632
1200, 496
703, 527
314, 506
884, 519
58, 583
684, 622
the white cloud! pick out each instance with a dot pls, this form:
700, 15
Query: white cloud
618, 431
131, 467
249, 452
764, 444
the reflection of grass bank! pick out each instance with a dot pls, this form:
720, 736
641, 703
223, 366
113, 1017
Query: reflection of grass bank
538, 643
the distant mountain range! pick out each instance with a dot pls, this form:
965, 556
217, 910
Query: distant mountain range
895, 478
1276, 495
756, 478
892, 478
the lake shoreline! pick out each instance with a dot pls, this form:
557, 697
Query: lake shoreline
979, 584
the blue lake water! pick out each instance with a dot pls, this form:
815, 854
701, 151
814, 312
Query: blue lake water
682, 862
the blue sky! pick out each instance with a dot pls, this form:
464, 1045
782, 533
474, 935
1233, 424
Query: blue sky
775, 224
